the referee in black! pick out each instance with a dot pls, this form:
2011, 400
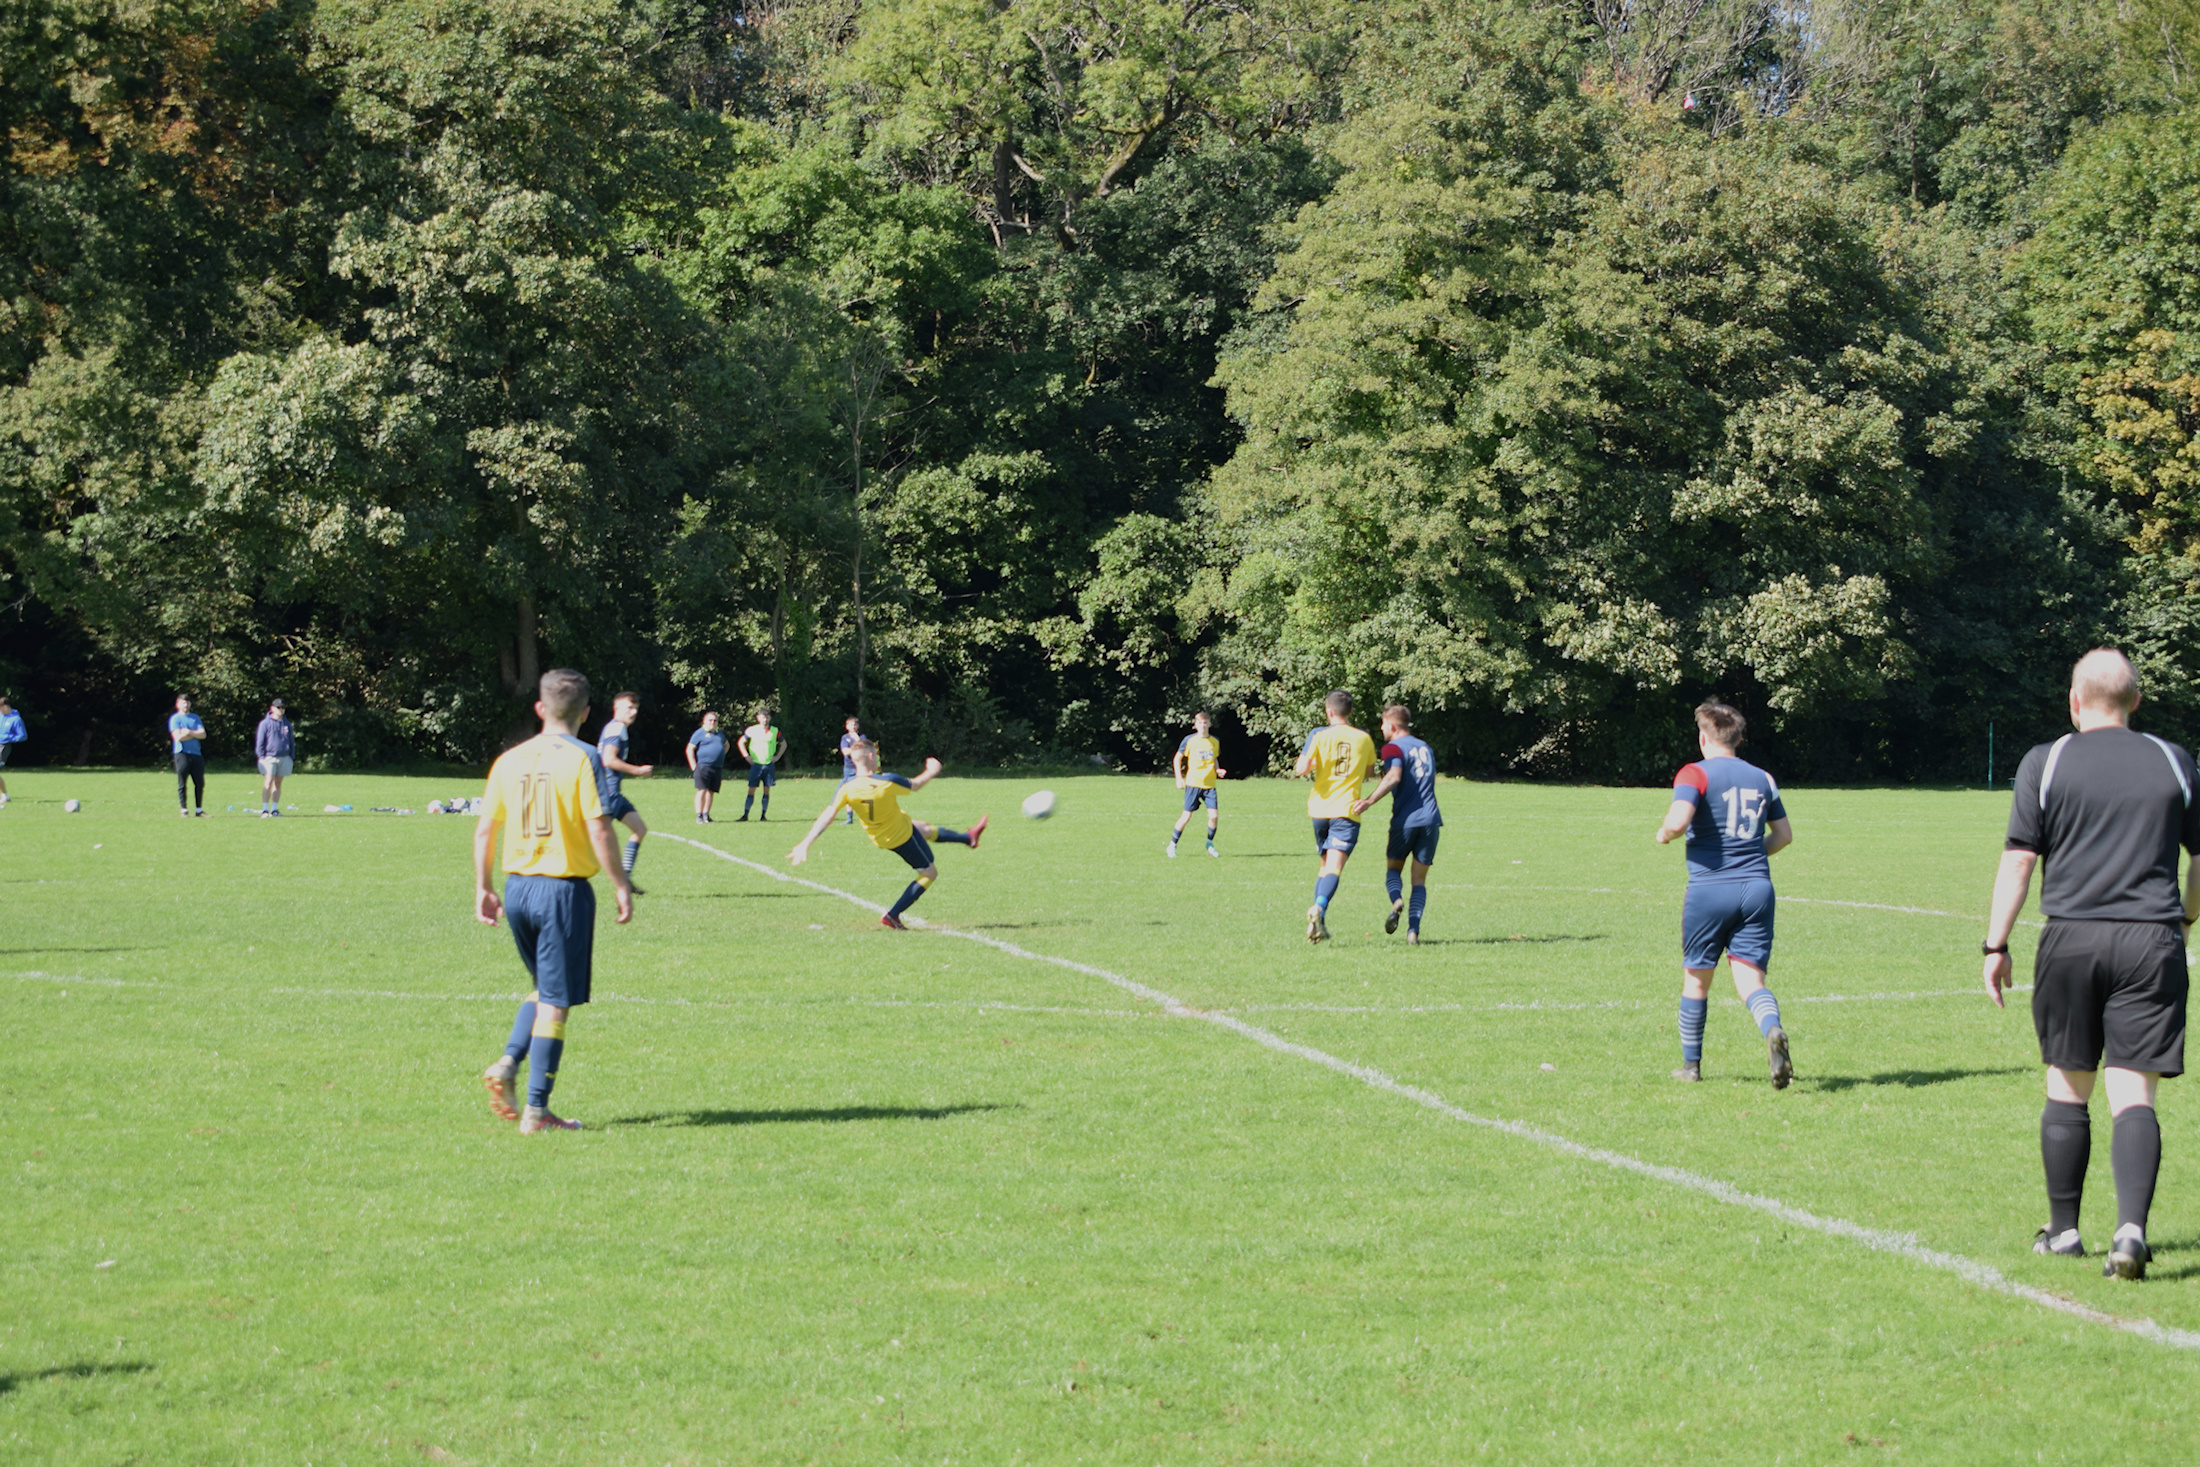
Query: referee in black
2108, 809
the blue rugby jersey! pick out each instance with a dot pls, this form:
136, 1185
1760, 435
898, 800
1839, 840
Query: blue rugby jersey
611, 744
1413, 799
1734, 801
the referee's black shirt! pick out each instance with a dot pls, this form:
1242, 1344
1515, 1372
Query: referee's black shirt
2115, 808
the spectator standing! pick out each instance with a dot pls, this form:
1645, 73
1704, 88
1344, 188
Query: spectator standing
11, 734
759, 744
187, 742
848, 742
706, 756
275, 747
2107, 809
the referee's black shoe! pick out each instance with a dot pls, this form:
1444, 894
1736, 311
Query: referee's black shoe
1776, 1050
2065, 1244
2128, 1258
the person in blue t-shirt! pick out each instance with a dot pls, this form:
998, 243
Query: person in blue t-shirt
706, 756
1409, 778
1734, 819
187, 743
11, 734
849, 741
611, 747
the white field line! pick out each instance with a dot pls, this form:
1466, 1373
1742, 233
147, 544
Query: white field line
1902, 1245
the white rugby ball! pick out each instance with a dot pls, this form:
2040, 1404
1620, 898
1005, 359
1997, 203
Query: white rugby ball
72, 806
1039, 804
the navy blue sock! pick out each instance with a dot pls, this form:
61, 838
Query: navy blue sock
750, 803
767, 807
1394, 882
909, 897
1765, 1009
1210, 835
1325, 887
953, 837
1413, 912
523, 1026
1176, 835
1693, 1011
542, 1060
633, 850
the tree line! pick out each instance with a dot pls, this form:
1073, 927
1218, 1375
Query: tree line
1024, 374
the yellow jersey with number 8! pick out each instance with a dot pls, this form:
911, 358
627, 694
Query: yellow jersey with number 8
1343, 759
544, 793
876, 801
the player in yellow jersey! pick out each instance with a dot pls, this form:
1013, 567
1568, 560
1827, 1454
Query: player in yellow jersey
1196, 768
547, 809
1338, 758
875, 801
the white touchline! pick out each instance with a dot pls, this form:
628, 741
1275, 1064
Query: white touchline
1904, 1245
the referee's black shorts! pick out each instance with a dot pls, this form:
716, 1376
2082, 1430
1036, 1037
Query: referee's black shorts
2111, 987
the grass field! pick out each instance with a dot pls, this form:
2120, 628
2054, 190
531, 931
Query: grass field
851, 1195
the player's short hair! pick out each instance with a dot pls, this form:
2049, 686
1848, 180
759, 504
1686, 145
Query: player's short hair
183, 697
5, 701
2104, 678
1722, 722
564, 692
1339, 704
1398, 714
863, 751
627, 697
1197, 714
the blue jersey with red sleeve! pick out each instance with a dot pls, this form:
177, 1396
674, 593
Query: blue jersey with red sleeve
1413, 798
1734, 803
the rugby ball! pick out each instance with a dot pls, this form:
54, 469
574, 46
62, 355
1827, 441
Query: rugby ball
72, 806
1039, 804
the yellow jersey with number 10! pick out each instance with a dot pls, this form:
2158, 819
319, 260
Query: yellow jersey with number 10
876, 801
1343, 759
544, 793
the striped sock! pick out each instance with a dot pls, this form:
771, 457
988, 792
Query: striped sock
1692, 1017
1394, 882
633, 849
1765, 1009
1415, 908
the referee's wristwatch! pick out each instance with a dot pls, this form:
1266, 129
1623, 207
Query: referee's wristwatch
1990, 950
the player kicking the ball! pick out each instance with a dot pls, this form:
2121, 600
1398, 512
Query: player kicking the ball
1732, 815
875, 800
1338, 759
1196, 768
547, 800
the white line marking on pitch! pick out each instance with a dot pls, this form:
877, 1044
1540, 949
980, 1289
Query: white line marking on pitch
1879, 1240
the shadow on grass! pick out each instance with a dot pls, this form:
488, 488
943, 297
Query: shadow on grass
726, 896
2191, 1269
17, 952
819, 1116
1517, 937
1911, 1079
9, 1380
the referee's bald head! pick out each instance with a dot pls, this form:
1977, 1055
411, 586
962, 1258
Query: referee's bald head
2104, 679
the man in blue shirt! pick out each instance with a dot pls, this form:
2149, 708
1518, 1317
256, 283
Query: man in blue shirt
1409, 778
275, 747
706, 756
1734, 819
611, 745
11, 734
848, 742
187, 743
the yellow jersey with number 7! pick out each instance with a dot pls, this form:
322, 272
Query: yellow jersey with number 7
876, 801
544, 793
1343, 759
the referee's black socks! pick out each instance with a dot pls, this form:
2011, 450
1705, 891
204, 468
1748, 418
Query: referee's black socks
2066, 1145
2137, 1152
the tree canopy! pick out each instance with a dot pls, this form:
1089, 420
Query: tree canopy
1024, 374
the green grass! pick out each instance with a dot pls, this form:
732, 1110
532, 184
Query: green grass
850, 1195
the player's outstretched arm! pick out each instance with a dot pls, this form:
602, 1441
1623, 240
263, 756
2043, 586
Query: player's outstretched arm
1389, 782
931, 769
1677, 818
1779, 835
2012, 884
603, 836
801, 851
487, 906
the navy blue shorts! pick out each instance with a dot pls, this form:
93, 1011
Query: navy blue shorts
1731, 917
615, 807
1194, 797
915, 851
553, 921
1417, 841
762, 774
1337, 834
